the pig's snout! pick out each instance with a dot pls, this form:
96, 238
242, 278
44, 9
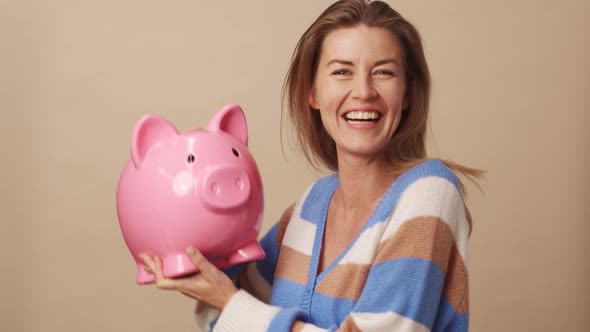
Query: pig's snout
225, 187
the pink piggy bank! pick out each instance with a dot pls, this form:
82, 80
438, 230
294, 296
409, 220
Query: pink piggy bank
199, 188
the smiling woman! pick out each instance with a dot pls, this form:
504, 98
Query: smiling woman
360, 89
381, 244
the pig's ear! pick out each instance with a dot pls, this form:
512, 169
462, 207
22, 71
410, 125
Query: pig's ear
230, 119
150, 130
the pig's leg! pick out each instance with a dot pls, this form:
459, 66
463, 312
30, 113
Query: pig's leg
219, 262
177, 265
143, 276
250, 252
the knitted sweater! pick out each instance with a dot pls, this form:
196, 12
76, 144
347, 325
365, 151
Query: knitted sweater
405, 270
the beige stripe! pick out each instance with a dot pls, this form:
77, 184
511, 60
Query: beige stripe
430, 238
432, 196
457, 284
422, 237
345, 281
292, 265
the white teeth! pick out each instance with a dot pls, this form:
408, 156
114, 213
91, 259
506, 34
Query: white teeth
358, 115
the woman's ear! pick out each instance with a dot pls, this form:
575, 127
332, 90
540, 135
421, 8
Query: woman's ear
312, 101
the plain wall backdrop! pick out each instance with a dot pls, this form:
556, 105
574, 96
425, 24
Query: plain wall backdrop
511, 83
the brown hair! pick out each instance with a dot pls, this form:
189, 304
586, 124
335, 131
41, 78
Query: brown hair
406, 147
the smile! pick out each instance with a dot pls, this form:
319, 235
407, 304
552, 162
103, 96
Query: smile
362, 117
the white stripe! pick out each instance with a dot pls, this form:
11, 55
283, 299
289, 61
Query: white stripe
434, 197
245, 313
260, 288
300, 233
205, 316
386, 322
363, 250
312, 328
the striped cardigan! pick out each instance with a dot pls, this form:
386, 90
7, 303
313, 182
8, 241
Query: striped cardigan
405, 270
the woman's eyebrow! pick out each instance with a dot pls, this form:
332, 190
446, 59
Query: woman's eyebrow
342, 62
349, 63
385, 61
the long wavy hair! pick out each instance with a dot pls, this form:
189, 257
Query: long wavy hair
407, 146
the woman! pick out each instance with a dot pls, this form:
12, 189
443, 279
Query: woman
381, 244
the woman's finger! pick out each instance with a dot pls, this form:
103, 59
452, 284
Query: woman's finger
148, 262
207, 269
159, 272
161, 281
154, 265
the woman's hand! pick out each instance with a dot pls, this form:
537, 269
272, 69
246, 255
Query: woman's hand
210, 285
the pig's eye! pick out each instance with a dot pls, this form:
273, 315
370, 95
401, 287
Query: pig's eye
236, 153
191, 158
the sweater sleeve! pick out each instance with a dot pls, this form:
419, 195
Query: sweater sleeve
252, 278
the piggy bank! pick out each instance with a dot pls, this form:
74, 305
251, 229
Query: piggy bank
199, 188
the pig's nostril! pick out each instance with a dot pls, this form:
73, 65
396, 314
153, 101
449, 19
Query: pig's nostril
215, 188
239, 184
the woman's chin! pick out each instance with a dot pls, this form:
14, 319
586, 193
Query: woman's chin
365, 151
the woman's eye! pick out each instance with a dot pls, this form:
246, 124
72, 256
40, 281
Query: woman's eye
385, 72
341, 72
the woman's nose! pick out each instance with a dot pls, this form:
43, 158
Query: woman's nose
363, 88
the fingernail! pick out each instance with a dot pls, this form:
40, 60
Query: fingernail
190, 250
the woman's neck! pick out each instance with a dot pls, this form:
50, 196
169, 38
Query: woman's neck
362, 182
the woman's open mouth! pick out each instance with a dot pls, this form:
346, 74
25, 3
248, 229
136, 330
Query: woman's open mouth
362, 117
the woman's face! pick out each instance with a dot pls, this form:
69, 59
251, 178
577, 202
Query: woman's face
360, 88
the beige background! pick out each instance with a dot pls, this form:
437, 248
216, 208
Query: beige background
511, 83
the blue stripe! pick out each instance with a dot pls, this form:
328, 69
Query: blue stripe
432, 167
448, 319
459, 323
267, 266
233, 271
325, 311
212, 323
283, 320
316, 203
444, 316
328, 311
286, 293
411, 287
